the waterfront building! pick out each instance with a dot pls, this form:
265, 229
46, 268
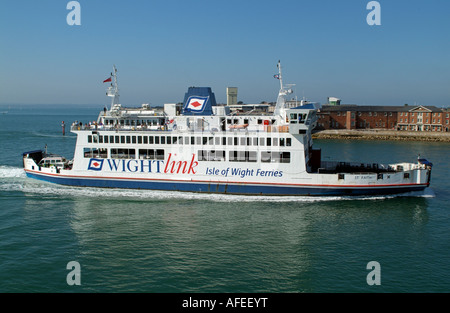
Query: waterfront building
421, 118
402, 118
357, 117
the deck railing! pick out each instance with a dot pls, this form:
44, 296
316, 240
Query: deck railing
192, 128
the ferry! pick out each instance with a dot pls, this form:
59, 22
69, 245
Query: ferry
200, 146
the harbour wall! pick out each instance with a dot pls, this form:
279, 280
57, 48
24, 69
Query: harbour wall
381, 135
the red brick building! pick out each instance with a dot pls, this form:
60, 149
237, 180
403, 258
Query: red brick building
446, 120
417, 118
423, 119
357, 117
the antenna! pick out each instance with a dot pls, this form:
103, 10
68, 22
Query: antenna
280, 76
281, 101
113, 90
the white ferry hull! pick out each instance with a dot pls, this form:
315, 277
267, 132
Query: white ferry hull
234, 186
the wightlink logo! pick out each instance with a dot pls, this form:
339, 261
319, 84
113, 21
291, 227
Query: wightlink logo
171, 166
95, 164
196, 104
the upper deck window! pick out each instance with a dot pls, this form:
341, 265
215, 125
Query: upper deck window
275, 141
242, 156
117, 153
95, 153
214, 155
153, 154
275, 157
288, 142
92, 138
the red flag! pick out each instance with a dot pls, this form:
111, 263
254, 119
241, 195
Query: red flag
107, 80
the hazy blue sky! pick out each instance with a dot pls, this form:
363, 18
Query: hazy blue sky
162, 47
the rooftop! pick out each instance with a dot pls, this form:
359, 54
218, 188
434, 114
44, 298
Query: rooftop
376, 108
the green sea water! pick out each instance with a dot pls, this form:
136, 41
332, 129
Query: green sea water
172, 242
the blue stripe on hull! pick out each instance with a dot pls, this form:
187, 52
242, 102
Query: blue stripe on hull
223, 188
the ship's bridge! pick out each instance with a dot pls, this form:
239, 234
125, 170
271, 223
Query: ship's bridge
303, 118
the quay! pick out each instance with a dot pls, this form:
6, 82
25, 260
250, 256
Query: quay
364, 134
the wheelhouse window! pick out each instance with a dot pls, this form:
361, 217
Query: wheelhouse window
293, 118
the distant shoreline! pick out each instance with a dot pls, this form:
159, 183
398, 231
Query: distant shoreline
381, 135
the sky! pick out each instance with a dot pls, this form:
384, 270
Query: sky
161, 48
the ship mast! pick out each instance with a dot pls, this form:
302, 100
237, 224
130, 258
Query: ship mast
280, 76
113, 90
280, 106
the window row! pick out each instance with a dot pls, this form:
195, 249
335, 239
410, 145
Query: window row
192, 140
427, 114
203, 155
244, 156
152, 122
118, 153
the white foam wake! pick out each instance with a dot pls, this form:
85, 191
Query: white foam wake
9, 172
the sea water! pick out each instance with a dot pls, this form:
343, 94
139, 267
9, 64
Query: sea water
174, 242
